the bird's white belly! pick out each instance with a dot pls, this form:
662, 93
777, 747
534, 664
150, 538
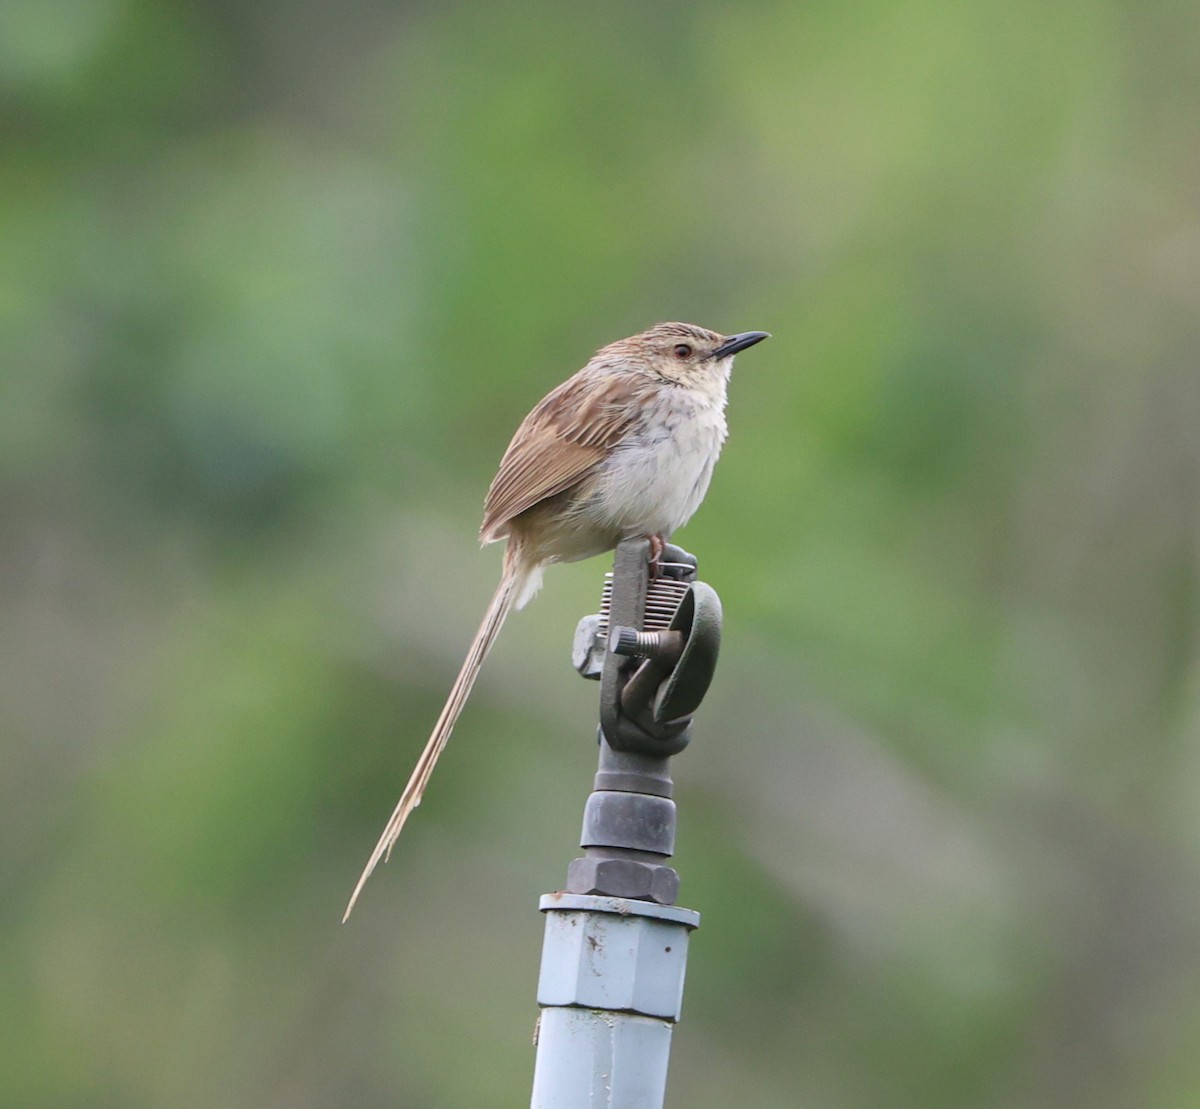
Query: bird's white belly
656, 480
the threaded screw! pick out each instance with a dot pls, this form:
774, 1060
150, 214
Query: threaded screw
630, 641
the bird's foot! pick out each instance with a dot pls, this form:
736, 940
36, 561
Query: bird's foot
657, 543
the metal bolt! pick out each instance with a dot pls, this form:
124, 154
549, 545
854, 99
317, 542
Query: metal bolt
630, 641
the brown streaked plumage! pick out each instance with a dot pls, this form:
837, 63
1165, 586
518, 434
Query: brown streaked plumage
625, 447
570, 432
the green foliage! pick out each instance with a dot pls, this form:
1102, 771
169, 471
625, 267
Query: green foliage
277, 285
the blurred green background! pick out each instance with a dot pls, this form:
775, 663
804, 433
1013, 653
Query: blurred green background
278, 281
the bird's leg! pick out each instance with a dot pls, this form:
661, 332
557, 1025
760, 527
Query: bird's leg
657, 543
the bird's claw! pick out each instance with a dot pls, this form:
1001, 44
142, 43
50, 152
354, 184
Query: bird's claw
657, 544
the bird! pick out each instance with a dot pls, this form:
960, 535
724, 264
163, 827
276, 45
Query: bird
623, 448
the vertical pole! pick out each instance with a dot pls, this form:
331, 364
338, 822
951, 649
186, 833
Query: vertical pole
610, 988
615, 951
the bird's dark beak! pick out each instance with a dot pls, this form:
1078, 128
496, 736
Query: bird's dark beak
739, 342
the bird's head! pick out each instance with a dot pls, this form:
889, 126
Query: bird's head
682, 352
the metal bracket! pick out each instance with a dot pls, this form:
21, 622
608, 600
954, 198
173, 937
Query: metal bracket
652, 681
652, 678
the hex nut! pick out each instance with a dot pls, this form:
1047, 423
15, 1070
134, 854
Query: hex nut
631, 878
664, 885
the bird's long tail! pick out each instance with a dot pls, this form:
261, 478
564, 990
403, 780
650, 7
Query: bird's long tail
513, 585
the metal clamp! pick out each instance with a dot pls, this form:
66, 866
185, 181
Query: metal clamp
652, 681
654, 648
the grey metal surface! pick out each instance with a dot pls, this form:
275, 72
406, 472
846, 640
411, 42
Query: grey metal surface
615, 950
638, 821
589, 1059
631, 772
602, 871
627, 960
587, 649
698, 622
628, 830
611, 988
621, 906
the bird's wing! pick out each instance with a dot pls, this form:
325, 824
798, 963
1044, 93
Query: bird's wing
572, 430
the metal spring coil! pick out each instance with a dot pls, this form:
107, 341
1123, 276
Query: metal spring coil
662, 600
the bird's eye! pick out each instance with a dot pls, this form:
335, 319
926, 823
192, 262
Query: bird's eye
682, 350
